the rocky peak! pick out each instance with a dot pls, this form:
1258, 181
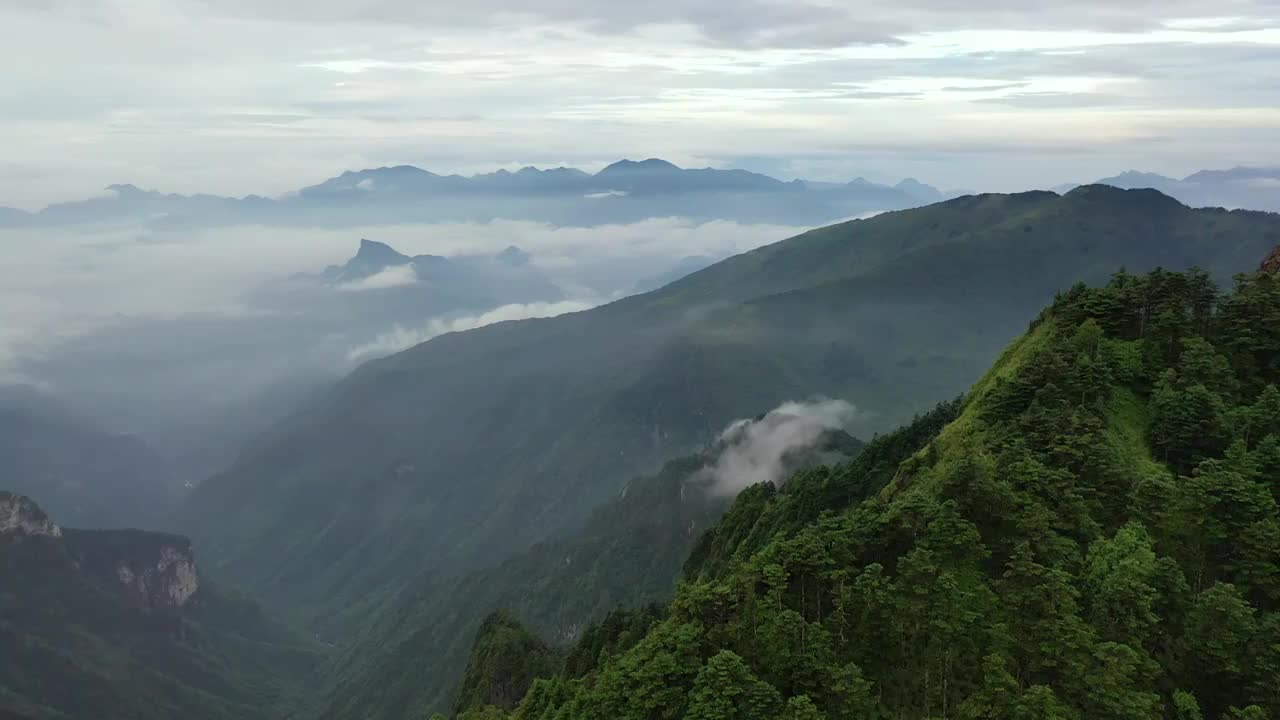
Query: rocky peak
372, 258
1272, 263
21, 517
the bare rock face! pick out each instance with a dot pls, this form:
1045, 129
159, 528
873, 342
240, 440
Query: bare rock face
20, 517
1272, 263
165, 579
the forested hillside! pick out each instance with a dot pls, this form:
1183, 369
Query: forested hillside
118, 625
1095, 535
462, 451
629, 553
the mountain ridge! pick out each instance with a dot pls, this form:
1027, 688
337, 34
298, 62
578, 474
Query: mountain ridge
1064, 547
590, 195
475, 444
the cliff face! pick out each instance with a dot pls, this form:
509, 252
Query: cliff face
145, 569
152, 570
117, 624
1272, 263
19, 517
168, 579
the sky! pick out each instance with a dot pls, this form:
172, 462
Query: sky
243, 96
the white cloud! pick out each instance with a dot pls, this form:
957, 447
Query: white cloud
392, 277
401, 338
755, 451
71, 280
267, 97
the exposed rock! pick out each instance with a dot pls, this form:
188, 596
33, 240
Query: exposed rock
1272, 263
20, 516
149, 569
168, 581
153, 570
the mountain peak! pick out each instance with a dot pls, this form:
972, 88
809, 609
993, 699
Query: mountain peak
513, 255
372, 258
126, 190
376, 252
20, 516
650, 165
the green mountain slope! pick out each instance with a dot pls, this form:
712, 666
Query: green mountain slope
629, 553
116, 624
458, 452
1096, 535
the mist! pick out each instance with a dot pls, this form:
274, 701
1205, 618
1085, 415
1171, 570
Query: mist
755, 451
197, 338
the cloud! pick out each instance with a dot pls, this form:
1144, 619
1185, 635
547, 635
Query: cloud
756, 451
392, 277
268, 97
401, 338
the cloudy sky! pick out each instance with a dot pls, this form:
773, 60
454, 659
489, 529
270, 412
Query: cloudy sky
245, 96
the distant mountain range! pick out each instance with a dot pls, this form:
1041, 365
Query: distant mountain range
624, 191
1241, 187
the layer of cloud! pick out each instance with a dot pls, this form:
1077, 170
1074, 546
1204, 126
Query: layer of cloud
83, 282
392, 277
401, 338
755, 451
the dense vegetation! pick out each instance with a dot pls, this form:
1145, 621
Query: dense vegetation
627, 554
458, 453
74, 645
505, 661
1094, 536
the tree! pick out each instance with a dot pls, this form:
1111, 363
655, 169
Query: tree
1186, 423
725, 689
1117, 584
1185, 706
1117, 685
801, 707
1050, 642
1219, 627
1213, 508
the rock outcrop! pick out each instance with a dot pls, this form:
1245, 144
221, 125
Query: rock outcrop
164, 581
148, 569
1272, 263
20, 516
